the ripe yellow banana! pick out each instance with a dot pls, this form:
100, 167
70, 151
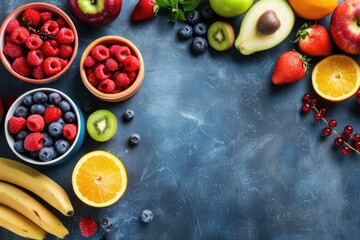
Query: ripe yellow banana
19, 224
28, 206
36, 182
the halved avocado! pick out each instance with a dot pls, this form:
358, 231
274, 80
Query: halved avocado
277, 15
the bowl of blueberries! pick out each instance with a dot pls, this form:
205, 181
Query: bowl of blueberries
44, 127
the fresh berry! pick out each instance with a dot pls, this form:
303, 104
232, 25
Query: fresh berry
65, 36
38, 72
129, 115
326, 131
122, 53
106, 223
52, 66
69, 131
46, 154
33, 42
21, 66
45, 16
69, 117
65, 51
348, 129
12, 50
50, 48
89, 61
22, 134
16, 124
61, 121
207, 12
290, 67
35, 58
199, 45
134, 139
52, 114
345, 150
35, 123
147, 216
131, 63
101, 72
19, 35
314, 40
111, 65
61, 22
37, 109
113, 49
122, 79
145, 10
93, 80
21, 111
54, 98
107, 86
34, 141
48, 141
61, 146
55, 129
332, 123
306, 107
100, 53
19, 146
193, 17
64, 106
200, 29
40, 97
12, 25
31, 17
185, 32
50, 27
132, 76
87, 226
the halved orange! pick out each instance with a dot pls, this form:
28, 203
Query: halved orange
99, 179
336, 77
313, 9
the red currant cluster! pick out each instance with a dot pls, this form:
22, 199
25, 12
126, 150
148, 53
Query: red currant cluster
346, 141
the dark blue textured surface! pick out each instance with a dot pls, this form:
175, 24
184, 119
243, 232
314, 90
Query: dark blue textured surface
224, 154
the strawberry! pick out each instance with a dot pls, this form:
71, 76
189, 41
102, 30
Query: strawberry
314, 40
51, 114
87, 226
290, 67
31, 17
144, 10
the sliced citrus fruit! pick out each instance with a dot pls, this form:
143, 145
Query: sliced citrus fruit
336, 78
99, 179
313, 10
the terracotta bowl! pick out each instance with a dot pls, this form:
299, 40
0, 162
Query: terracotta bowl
16, 14
125, 93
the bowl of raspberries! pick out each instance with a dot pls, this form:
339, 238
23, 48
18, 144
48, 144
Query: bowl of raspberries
112, 68
44, 127
39, 42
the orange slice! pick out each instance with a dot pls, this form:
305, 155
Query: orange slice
99, 179
336, 77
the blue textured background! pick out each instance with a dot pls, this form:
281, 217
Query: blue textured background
224, 154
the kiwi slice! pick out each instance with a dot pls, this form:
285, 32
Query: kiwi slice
101, 125
221, 35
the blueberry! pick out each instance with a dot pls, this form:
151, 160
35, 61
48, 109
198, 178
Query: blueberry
61, 121
55, 129
70, 117
200, 29
106, 223
129, 115
48, 141
34, 154
207, 12
147, 216
61, 146
56, 154
199, 45
185, 32
37, 109
193, 17
46, 154
21, 111
28, 100
54, 98
88, 106
40, 97
64, 106
22, 134
19, 146
134, 139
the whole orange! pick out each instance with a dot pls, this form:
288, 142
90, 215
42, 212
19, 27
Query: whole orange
313, 9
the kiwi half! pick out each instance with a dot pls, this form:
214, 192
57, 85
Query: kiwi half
101, 125
221, 35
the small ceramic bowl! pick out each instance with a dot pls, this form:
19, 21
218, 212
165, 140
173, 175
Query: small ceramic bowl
125, 93
16, 14
75, 144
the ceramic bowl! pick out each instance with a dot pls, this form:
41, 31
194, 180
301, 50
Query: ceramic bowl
123, 94
75, 144
16, 14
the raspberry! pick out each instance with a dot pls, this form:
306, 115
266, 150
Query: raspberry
122, 53
100, 53
65, 51
93, 80
50, 48
63, 62
35, 123
33, 42
132, 76
52, 66
50, 27
111, 64
89, 61
65, 36
21, 66
106, 86
113, 49
101, 72
34, 141
35, 58
52, 114
19, 35
117, 89
38, 72
12, 50
45, 16
62, 22
16, 124
12, 25
31, 17
131, 63
69, 131
121, 79
87, 226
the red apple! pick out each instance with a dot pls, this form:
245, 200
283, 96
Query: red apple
345, 26
95, 13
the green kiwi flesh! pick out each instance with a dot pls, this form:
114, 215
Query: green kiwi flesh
101, 125
221, 35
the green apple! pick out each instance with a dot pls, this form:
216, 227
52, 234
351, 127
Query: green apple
230, 8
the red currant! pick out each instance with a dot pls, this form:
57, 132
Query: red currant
356, 137
313, 102
345, 150
357, 145
323, 111
332, 123
306, 97
306, 107
348, 129
326, 132
338, 141
318, 116
345, 136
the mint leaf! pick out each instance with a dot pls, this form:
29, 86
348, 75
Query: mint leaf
164, 3
189, 5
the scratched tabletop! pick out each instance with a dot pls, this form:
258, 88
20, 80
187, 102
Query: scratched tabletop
224, 154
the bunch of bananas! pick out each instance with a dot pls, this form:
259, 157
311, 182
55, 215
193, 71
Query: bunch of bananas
20, 212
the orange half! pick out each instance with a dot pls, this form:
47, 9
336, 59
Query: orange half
99, 179
336, 77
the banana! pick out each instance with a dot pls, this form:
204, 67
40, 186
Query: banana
20, 225
36, 182
28, 206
